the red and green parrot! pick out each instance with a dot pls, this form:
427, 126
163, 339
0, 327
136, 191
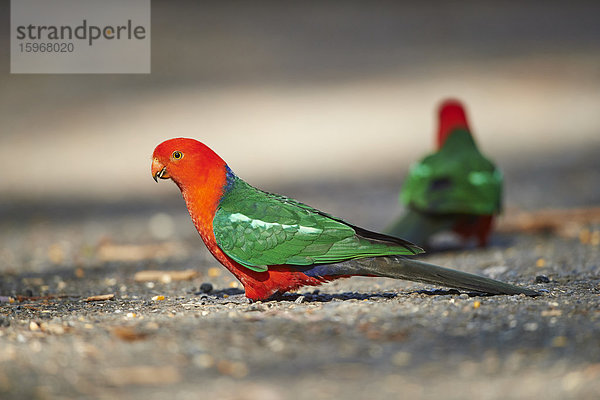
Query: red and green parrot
454, 189
273, 244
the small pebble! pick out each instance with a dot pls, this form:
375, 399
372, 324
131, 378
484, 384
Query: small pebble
206, 287
542, 279
158, 298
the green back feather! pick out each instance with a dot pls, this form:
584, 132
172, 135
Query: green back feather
455, 179
258, 229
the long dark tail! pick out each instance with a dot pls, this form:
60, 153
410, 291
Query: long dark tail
418, 271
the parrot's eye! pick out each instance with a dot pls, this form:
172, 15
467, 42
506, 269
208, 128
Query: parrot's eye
177, 155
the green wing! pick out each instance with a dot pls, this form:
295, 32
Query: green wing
258, 229
456, 179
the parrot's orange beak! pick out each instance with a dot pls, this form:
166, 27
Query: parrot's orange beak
159, 170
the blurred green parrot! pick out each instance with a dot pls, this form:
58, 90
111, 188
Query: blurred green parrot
455, 189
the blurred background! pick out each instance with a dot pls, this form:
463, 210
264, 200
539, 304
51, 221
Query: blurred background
325, 102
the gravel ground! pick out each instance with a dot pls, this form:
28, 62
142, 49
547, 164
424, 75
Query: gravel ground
357, 338
320, 80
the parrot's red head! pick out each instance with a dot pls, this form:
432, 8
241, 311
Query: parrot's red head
189, 163
451, 116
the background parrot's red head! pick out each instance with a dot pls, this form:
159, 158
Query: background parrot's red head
186, 161
451, 116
